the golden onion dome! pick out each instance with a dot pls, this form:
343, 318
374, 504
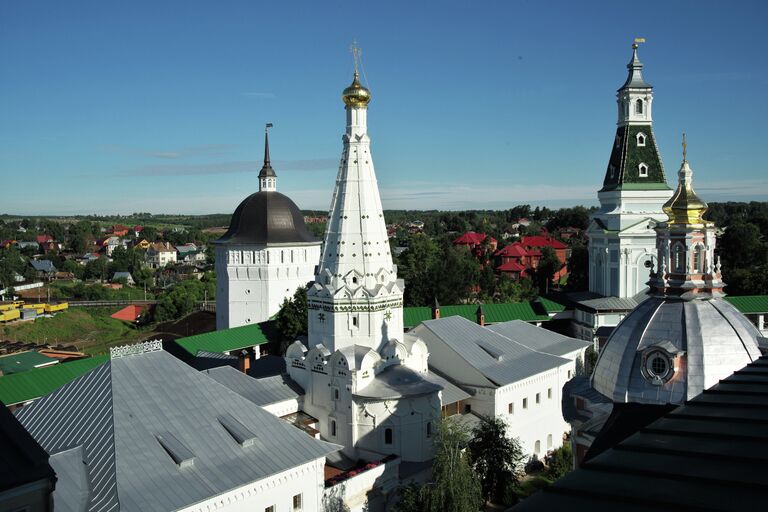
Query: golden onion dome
685, 207
356, 95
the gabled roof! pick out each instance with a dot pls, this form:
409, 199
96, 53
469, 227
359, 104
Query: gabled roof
156, 434
515, 250
42, 265
472, 238
228, 340
41, 239
262, 392
500, 359
511, 266
537, 338
129, 313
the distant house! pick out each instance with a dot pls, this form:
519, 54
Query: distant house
138, 230
119, 230
41, 239
159, 254
191, 253
44, 268
109, 244
5, 244
143, 244
130, 313
476, 242
123, 275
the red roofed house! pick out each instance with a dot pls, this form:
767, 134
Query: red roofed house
137, 230
130, 313
475, 241
7, 243
119, 230
41, 239
562, 251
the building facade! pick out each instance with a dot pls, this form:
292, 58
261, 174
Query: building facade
363, 379
266, 254
621, 233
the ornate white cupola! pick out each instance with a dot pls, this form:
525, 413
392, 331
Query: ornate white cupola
621, 235
686, 245
267, 176
356, 298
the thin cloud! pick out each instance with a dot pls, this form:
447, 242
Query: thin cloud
205, 150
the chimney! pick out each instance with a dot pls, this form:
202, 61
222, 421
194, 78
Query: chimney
435, 310
244, 361
480, 314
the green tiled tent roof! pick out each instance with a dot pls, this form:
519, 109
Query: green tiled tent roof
23, 361
230, 339
494, 313
24, 386
749, 304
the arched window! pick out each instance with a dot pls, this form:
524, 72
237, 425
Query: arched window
549, 442
388, 436
698, 259
282, 256
641, 139
429, 429
537, 447
333, 428
643, 170
639, 106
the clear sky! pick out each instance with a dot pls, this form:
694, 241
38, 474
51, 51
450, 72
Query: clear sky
159, 106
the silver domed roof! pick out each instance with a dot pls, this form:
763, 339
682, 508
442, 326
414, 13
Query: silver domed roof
670, 350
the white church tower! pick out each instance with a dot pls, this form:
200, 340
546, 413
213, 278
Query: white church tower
266, 254
365, 380
622, 240
356, 298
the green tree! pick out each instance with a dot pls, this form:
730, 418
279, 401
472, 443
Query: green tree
741, 246
495, 457
456, 486
455, 275
559, 462
291, 320
545, 270
578, 269
416, 265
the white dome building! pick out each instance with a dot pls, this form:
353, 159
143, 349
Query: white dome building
265, 255
674, 345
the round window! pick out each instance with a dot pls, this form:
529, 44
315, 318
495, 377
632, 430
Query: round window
658, 367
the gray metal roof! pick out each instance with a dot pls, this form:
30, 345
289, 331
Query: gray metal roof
538, 338
499, 359
451, 392
116, 412
43, 265
264, 391
397, 381
635, 78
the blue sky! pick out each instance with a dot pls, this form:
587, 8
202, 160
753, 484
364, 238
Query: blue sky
159, 106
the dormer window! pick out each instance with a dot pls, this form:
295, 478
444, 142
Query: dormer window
639, 106
642, 170
640, 140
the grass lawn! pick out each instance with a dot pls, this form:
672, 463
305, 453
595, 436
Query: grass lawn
89, 329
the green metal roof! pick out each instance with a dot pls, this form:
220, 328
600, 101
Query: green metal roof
230, 339
23, 361
749, 303
32, 384
551, 306
494, 313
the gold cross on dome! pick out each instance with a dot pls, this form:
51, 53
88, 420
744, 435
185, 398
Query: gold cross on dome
685, 149
356, 53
